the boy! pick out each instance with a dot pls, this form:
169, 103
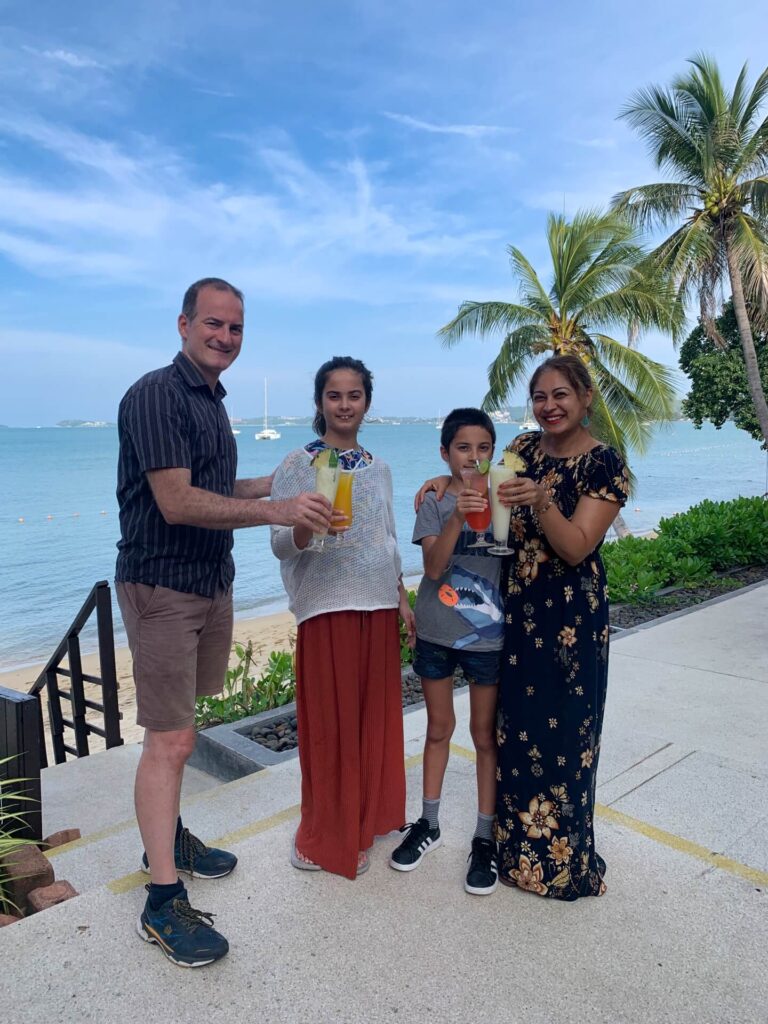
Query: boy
459, 621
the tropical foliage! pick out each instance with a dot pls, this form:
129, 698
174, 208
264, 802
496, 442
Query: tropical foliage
719, 390
690, 549
715, 147
12, 824
601, 284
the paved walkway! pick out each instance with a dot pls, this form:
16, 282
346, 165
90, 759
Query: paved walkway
681, 935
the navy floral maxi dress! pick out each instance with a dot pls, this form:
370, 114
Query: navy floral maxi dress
552, 688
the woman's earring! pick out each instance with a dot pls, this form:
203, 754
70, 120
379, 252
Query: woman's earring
585, 420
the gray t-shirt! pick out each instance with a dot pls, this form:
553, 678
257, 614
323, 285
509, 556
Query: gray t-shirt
463, 609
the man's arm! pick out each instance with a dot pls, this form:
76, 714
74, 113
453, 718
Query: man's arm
182, 504
254, 487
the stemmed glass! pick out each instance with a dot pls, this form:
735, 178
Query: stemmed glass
478, 521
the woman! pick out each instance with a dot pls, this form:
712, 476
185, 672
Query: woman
555, 663
346, 600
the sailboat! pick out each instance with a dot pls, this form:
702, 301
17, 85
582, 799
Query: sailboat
267, 434
235, 430
529, 423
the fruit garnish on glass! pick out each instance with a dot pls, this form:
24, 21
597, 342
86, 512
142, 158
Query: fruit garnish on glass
512, 460
327, 457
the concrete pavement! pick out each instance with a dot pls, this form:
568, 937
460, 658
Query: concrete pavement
681, 935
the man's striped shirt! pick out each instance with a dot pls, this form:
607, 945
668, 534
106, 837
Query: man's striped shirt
168, 419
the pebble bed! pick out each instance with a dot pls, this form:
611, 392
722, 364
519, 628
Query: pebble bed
280, 734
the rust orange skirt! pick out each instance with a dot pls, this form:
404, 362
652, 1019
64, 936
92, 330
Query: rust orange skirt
350, 724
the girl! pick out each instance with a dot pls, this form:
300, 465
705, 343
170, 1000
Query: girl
346, 600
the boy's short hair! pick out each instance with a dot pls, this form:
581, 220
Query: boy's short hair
470, 417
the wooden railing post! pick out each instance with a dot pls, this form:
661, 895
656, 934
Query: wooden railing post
112, 737
20, 749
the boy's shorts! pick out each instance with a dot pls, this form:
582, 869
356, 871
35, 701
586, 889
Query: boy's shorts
433, 661
180, 645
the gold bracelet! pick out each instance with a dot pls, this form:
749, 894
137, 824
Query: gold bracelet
546, 508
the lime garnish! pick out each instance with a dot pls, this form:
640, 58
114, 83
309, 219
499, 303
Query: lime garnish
482, 465
333, 460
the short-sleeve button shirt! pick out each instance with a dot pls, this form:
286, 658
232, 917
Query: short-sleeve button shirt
170, 419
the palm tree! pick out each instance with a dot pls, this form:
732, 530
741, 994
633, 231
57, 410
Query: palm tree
601, 282
714, 146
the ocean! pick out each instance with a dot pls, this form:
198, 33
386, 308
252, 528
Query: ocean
59, 526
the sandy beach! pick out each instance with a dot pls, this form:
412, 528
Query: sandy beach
268, 632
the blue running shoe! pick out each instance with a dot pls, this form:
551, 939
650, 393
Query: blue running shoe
196, 859
185, 935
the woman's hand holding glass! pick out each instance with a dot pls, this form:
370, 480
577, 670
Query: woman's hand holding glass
522, 490
438, 484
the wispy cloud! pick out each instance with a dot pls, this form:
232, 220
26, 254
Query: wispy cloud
597, 143
310, 230
73, 60
469, 131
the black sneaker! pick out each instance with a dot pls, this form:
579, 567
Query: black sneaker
420, 839
196, 859
483, 873
185, 935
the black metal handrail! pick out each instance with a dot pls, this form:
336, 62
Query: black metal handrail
99, 600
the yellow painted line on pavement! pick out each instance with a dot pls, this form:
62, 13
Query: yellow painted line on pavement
137, 878
715, 860
129, 823
659, 835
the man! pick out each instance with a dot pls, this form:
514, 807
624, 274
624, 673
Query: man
179, 503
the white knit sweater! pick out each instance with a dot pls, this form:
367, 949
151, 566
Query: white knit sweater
358, 573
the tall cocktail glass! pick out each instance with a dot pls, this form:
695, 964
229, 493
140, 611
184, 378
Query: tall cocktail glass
500, 514
326, 483
477, 521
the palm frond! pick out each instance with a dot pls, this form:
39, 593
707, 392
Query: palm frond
485, 318
666, 121
758, 94
535, 294
652, 383
650, 205
509, 369
750, 241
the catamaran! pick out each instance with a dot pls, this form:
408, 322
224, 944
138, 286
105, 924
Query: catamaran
267, 434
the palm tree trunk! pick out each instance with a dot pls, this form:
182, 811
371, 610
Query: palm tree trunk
747, 341
620, 526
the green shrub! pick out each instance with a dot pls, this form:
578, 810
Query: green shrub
406, 654
690, 548
11, 824
243, 694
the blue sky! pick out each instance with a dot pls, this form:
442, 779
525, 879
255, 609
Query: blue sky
357, 168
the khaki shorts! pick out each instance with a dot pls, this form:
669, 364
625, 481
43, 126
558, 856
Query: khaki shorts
180, 645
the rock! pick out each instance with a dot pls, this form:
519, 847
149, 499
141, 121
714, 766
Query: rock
25, 869
50, 895
8, 919
66, 835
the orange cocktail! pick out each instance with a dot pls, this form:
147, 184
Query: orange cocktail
343, 500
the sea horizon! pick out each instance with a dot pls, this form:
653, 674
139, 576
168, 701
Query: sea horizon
59, 523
